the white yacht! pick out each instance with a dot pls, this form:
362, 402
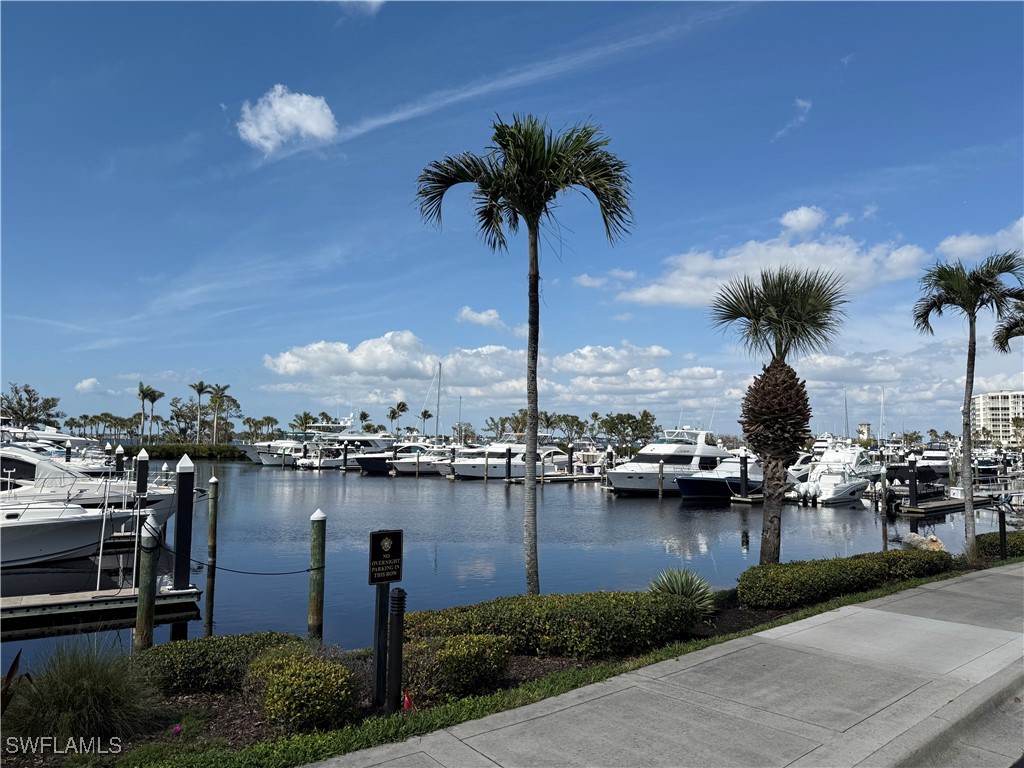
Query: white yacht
31, 477
551, 460
678, 452
37, 532
839, 476
426, 462
488, 461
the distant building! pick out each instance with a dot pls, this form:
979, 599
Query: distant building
864, 431
995, 412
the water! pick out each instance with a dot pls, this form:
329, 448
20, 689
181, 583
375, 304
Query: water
463, 543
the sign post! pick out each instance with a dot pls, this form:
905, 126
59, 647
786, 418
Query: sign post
385, 568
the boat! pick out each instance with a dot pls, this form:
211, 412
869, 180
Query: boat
551, 460
377, 463
722, 482
31, 477
937, 455
677, 452
328, 457
840, 476
38, 532
282, 453
426, 462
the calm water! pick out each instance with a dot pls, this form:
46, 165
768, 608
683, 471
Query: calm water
463, 544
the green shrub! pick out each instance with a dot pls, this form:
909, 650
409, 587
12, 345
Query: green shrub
687, 583
301, 691
585, 626
988, 544
789, 585
208, 664
83, 691
439, 669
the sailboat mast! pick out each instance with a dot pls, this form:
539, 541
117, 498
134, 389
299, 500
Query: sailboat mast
437, 418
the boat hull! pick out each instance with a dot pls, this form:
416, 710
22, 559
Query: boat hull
66, 535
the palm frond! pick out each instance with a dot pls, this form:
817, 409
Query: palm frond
441, 175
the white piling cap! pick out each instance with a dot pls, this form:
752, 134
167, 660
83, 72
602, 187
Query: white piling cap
214, 480
185, 465
119, 449
67, 444
107, 447
143, 456
318, 515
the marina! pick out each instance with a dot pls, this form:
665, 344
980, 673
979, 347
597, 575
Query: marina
463, 544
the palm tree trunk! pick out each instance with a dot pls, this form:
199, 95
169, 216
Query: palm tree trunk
774, 486
966, 462
530, 488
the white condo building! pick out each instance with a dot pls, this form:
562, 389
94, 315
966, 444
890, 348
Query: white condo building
995, 412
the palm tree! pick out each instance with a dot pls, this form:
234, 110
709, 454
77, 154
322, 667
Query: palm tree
302, 421
525, 170
364, 417
952, 286
201, 388
217, 392
789, 310
144, 390
425, 416
392, 415
1009, 327
400, 408
151, 397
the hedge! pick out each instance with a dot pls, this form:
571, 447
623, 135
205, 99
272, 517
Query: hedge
301, 691
208, 664
585, 626
988, 544
441, 669
790, 585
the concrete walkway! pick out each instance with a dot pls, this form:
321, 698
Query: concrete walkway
933, 676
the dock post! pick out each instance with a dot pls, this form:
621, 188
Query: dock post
912, 471
119, 460
344, 455
661, 477
142, 473
67, 452
186, 472
380, 646
146, 585
395, 633
572, 469
743, 476
1002, 533
317, 561
211, 554
508, 464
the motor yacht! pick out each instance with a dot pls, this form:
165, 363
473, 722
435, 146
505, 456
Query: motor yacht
677, 452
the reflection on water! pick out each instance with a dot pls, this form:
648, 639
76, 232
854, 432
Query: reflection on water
464, 543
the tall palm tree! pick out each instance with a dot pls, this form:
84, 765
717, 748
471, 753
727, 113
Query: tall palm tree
425, 416
201, 388
217, 392
391, 416
151, 397
144, 390
400, 408
952, 286
525, 170
789, 310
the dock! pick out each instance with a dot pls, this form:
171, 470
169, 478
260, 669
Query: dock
31, 616
584, 478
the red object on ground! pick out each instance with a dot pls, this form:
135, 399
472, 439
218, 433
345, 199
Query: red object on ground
407, 702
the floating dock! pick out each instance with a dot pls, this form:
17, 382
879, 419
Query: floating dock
30, 616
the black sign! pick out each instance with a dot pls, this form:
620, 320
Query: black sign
385, 557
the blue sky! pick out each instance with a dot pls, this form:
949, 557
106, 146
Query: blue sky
225, 192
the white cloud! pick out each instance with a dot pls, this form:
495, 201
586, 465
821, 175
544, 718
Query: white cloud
595, 360
803, 108
281, 116
394, 355
91, 384
970, 246
691, 279
488, 317
803, 220
870, 211
587, 281
842, 220
362, 7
